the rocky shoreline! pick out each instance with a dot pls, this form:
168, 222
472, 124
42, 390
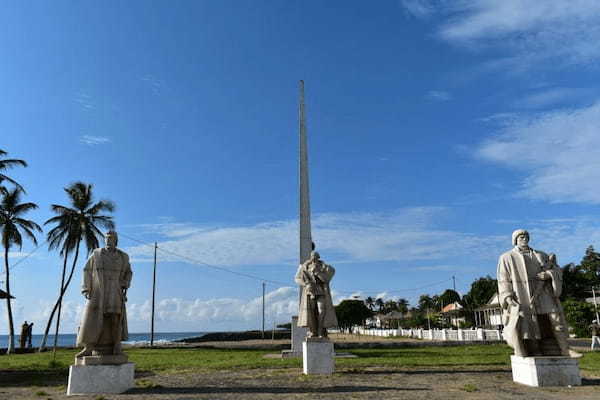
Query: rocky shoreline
237, 336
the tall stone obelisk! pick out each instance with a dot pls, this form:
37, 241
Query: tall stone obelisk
305, 232
299, 333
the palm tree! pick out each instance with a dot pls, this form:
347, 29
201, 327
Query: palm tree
370, 302
402, 305
74, 224
7, 164
11, 225
380, 304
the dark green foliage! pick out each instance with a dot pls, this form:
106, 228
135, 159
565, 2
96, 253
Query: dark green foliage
579, 315
12, 228
352, 312
481, 292
72, 225
579, 279
426, 302
5, 164
417, 320
448, 297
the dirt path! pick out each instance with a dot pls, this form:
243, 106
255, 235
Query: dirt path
369, 383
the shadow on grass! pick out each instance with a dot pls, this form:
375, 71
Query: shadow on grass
590, 382
49, 377
271, 390
422, 372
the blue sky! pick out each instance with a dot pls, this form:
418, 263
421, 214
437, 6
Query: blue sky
435, 127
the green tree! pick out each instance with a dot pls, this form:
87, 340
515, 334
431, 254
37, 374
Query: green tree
575, 283
402, 305
579, 279
351, 313
390, 306
426, 303
448, 297
72, 225
13, 227
5, 164
481, 292
380, 304
579, 315
369, 302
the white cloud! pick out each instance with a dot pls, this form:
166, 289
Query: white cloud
178, 314
405, 234
419, 8
557, 152
94, 140
85, 101
438, 95
566, 31
17, 254
156, 85
554, 96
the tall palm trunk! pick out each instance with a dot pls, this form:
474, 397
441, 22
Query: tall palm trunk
59, 300
62, 284
60, 297
11, 326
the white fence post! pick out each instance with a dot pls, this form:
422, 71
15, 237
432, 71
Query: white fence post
480, 334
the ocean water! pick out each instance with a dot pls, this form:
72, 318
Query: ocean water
68, 340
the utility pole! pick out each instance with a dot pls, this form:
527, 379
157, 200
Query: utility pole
263, 310
595, 305
428, 320
153, 296
454, 282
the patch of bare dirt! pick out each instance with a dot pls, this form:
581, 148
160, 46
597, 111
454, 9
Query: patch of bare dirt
366, 383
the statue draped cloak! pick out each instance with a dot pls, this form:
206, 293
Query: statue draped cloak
532, 295
303, 278
93, 282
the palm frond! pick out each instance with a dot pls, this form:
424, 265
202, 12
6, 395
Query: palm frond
104, 221
91, 239
10, 163
28, 224
58, 209
29, 233
102, 205
24, 207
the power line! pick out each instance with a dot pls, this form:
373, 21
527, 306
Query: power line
223, 269
27, 256
286, 284
396, 290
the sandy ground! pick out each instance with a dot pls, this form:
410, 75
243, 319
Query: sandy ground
368, 383
481, 383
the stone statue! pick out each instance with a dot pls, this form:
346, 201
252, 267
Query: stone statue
529, 286
106, 278
316, 307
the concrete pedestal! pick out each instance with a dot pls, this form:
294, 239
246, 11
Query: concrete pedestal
546, 371
298, 336
100, 379
318, 357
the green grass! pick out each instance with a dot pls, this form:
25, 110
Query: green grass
39, 369
590, 362
452, 356
469, 387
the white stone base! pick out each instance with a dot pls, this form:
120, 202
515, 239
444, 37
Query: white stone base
546, 371
99, 379
318, 357
298, 336
291, 354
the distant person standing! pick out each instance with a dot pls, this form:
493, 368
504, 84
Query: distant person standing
29, 334
23, 337
595, 328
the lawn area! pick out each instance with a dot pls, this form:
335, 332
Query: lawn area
38, 367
